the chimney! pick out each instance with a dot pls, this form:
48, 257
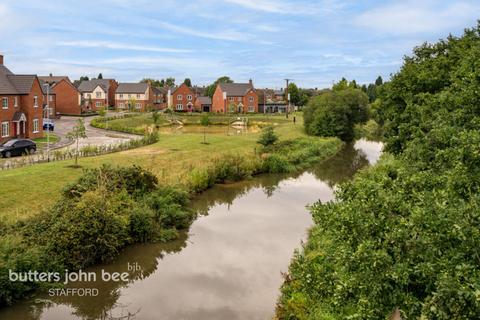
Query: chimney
1, 60
251, 82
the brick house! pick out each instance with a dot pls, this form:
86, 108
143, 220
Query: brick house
183, 98
21, 105
134, 96
203, 104
66, 95
50, 96
97, 94
235, 98
159, 98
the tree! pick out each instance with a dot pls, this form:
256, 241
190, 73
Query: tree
156, 118
170, 82
153, 82
210, 90
78, 132
341, 85
100, 76
187, 82
298, 97
268, 137
335, 113
132, 102
379, 81
84, 78
205, 122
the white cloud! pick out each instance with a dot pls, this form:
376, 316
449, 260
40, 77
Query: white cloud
289, 7
118, 45
229, 35
411, 17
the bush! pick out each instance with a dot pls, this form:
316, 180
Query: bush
268, 137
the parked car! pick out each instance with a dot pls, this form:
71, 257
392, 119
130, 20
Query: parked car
17, 147
48, 124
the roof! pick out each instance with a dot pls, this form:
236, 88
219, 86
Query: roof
132, 87
205, 100
236, 89
18, 116
52, 79
90, 85
159, 90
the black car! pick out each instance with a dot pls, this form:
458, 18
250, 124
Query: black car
17, 147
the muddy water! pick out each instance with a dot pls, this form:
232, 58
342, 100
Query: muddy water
227, 266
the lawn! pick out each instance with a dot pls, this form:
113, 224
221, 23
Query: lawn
26, 190
42, 142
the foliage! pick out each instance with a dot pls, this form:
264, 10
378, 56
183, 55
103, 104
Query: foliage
405, 234
205, 122
298, 97
187, 82
335, 113
268, 136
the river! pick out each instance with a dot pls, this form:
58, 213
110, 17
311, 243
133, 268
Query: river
227, 266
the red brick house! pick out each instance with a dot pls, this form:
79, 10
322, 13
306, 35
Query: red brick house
159, 98
183, 98
66, 96
97, 94
235, 98
134, 96
21, 105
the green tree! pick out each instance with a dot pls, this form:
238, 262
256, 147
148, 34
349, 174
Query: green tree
100, 76
170, 82
205, 122
335, 113
132, 104
188, 82
268, 137
78, 132
84, 78
379, 81
156, 118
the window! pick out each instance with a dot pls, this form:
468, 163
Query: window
121, 96
121, 105
179, 97
179, 106
98, 104
50, 97
138, 105
189, 97
231, 99
129, 96
15, 102
138, 96
35, 125
251, 109
35, 101
5, 103
5, 129
98, 95
239, 99
89, 96
251, 99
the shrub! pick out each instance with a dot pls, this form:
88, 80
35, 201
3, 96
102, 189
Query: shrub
268, 136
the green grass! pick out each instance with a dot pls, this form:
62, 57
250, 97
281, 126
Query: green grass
42, 142
27, 189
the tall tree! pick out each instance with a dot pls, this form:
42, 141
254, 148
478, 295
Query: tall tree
78, 132
100, 76
188, 82
379, 81
84, 78
170, 82
210, 90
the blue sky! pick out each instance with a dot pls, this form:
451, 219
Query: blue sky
312, 42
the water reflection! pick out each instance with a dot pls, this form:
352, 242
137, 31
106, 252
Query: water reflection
226, 267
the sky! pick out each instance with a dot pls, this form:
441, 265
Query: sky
312, 42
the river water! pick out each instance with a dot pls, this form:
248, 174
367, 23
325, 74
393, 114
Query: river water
227, 266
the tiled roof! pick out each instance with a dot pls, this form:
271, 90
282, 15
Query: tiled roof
236, 89
15, 84
52, 79
205, 100
90, 85
132, 87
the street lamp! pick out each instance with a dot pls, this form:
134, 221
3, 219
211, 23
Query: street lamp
48, 122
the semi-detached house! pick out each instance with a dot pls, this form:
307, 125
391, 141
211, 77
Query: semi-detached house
21, 105
235, 98
134, 96
97, 94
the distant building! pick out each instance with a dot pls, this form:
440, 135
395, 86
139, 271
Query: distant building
134, 96
235, 98
21, 105
203, 104
66, 97
97, 93
182, 98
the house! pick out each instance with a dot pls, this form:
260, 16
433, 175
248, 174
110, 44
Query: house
21, 105
134, 96
203, 104
66, 97
97, 94
159, 98
182, 98
50, 99
235, 98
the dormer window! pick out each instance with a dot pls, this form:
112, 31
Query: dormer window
189, 97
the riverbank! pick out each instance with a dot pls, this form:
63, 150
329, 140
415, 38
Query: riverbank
38, 233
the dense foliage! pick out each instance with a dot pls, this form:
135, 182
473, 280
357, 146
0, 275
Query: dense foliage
405, 234
105, 210
268, 136
335, 113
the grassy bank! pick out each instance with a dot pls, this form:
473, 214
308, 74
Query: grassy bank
108, 208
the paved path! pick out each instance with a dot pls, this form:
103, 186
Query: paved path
95, 137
